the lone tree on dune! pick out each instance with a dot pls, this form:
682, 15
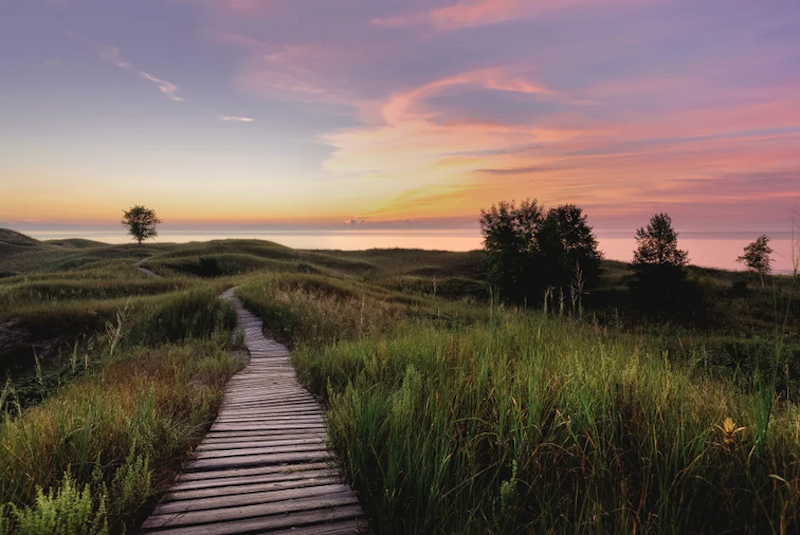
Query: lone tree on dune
756, 257
141, 223
660, 280
658, 244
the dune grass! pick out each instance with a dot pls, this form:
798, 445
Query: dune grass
313, 309
506, 421
532, 424
92, 455
450, 414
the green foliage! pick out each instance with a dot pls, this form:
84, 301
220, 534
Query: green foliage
657, 245
141, 223
65, 510
531, 423
221, 265
510, 242
756, 257
538, 425
529, 252
27, 293
579, 243
196, 313
120, 433
131, 486
660, 284
309, 307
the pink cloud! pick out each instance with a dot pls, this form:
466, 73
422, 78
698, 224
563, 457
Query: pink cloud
293, 72
499, 79
465, 14
113, 55
235, 119
165, 87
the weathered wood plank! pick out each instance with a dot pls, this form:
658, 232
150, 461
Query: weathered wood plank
260, 450
198, 521
230, 485
235, 501
290, 440
258, 460
211, 475
255, 426
235, 490
349, 527
289, 448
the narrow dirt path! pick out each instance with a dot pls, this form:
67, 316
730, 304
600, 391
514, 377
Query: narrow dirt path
145, 270
264, 466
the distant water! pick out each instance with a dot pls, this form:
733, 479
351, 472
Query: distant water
709, 250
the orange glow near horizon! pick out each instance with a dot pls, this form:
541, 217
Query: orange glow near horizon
274, 113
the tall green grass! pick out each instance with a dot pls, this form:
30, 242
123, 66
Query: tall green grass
531, 424
314, 309
94, 454
25, 294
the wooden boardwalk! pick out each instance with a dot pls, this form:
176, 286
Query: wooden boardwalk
263, 467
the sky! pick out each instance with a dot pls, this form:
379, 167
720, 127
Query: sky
390, 113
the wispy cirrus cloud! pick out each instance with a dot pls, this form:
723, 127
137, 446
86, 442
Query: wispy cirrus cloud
293, 72
165, 87
234, 119
113, 55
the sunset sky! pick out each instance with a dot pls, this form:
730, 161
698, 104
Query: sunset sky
319, 112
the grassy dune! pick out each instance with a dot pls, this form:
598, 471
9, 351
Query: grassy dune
514, 422
106, 438
451, 414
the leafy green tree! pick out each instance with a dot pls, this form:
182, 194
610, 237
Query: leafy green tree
529, 250
756, 257
658, 244
660, 281
141, 223
578, 241
509, 237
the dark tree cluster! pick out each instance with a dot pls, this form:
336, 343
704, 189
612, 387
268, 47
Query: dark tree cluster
530, 250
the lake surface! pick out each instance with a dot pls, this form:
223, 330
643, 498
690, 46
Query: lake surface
718, 250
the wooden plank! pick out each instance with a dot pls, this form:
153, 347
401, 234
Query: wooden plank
271, 523
219, 438
269, 428
254, 487
309, 414
268, 419
348, 527
265, 435
213, 475
291, 440
229, 453
197, 521
258, 460
216, 503
232, 482
235, 405
278, 411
